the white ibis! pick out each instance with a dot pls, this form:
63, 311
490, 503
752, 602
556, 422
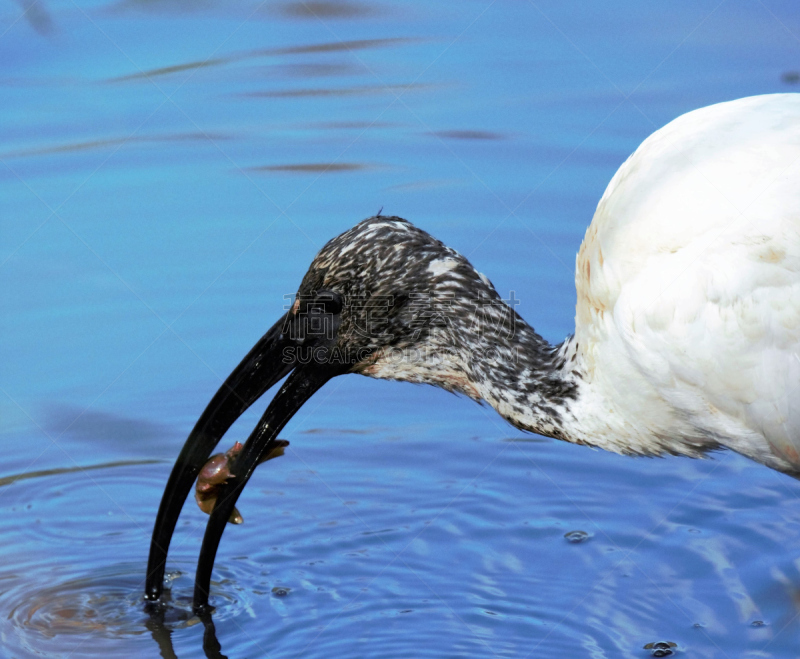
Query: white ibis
687, 327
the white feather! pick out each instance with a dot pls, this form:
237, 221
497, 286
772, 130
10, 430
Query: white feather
688, 280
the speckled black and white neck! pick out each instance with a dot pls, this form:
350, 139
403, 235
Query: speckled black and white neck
420, 312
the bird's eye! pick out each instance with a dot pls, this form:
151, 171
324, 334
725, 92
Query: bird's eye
329, 300
400, 299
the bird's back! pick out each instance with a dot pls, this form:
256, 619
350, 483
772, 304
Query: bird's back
688, 282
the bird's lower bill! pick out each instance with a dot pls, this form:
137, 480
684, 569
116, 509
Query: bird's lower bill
268, 362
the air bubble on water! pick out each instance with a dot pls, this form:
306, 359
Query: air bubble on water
577, 536
661, 648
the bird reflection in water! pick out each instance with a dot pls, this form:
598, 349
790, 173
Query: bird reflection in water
162, 634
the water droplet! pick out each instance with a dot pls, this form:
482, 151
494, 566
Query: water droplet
577, 536
281, 591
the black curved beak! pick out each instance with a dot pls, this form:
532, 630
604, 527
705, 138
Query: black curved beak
258, 371
271, 359
297, 389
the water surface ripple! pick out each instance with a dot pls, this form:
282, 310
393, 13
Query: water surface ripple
167, 171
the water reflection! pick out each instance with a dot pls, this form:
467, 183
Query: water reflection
212, 62
103, 603
38, 16
42, 473
91, 145
320, 70
468, 135
97, 427
177, 7
321, 167
402, 521
317, 9
162, 635
362, 90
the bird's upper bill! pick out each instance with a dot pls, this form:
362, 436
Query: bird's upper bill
384, 299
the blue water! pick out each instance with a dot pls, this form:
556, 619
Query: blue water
169, 168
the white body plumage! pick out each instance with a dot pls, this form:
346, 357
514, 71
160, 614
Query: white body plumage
687, 329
